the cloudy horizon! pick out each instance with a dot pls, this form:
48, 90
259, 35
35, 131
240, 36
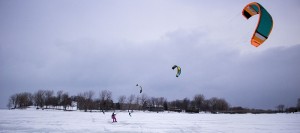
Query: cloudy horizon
96, 45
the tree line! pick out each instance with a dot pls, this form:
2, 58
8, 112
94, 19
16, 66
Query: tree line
90, 101
42, 99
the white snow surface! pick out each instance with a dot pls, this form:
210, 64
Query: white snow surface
31, 120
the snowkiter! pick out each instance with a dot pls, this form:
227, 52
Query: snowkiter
113, 116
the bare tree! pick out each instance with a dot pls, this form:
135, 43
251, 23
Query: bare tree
81, 102
166, 105
13, 101
222, 105
154, 102
105, 100
144, 101
59, 98
25, 99
199, 101
206, 105
137, 102
89, 99
39, 98
85, 100
130, 101
121, 101
148, 103
216, 104
213, 103
160, 101
176, 105
66, 101
20, 100
185, 103
48, 97
10, 103
280, 108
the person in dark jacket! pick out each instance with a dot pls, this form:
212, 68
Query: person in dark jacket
113, 116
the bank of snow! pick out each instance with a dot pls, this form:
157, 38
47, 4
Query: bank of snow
77, 121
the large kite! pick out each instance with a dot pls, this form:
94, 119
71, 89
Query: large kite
265, 22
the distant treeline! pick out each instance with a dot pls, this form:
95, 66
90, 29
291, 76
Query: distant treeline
88, 101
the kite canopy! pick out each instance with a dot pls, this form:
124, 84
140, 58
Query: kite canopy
141, 88
265, 22
178, 70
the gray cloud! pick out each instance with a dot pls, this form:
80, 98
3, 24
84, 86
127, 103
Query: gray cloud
259, 79
76, 50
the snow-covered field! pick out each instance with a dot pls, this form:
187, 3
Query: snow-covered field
32, 120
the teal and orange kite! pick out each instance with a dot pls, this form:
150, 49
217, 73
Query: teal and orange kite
265, 22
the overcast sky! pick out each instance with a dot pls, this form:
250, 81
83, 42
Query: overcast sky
78, 46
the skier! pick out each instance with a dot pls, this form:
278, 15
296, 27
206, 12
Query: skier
113, 116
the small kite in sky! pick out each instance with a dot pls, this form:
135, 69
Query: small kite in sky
178, 70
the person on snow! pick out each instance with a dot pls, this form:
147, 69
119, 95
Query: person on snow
113, 116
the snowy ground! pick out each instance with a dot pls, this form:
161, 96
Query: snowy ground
75, 121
